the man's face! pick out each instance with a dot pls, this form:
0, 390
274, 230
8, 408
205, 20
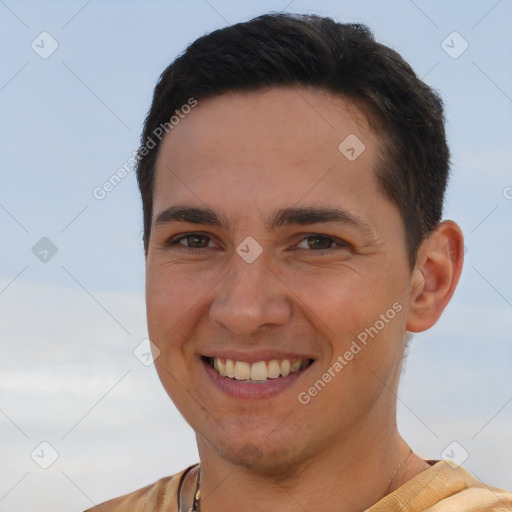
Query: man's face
263, 278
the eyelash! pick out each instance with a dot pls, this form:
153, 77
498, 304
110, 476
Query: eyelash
173, 242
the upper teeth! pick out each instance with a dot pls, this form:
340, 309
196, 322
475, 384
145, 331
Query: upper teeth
241, 370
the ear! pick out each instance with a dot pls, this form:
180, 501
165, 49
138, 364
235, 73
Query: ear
435, 276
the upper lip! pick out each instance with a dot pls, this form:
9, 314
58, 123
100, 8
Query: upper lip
256, 355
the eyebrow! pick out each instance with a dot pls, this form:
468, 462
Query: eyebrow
282, 217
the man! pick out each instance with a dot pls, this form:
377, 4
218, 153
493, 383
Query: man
292, 172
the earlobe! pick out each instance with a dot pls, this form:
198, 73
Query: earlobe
435, 276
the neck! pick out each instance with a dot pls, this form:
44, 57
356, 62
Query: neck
350, 476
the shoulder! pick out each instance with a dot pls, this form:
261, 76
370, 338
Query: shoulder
159, 496
444, 484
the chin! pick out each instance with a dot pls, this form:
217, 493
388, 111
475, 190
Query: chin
258, 454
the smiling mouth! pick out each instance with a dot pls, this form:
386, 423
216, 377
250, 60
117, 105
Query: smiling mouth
258, 372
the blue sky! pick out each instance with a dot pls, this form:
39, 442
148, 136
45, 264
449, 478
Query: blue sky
70, 325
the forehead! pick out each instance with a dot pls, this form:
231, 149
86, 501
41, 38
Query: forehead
278, 116
289, 142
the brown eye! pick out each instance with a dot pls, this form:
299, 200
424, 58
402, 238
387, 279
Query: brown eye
190, 241
196, 241
319, 242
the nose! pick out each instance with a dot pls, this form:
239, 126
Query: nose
250, 296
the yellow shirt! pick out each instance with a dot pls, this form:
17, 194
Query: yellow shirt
450, 488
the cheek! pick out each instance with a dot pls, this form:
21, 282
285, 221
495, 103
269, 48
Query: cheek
339, 302
161, 308
166, 304
171, 294
355, 311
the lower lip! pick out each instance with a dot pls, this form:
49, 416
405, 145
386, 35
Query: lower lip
243, 389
